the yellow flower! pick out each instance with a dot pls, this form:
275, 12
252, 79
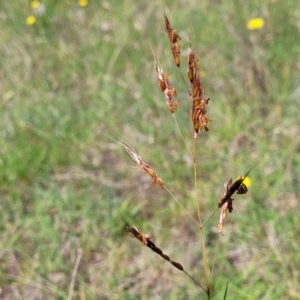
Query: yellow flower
82, 2
256, 23
247, 181
35, 4
30, 20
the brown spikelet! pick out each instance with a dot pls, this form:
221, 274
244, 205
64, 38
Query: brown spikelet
173, 38
193, 64
142, 165
199, 118
177, 265
165, 86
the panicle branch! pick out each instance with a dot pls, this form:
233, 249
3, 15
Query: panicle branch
146, 241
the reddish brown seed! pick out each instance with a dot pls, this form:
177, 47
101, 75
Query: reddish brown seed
191, 74
177, 265
174, 37
162, 85
176, 51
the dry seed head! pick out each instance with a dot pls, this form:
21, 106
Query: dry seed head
173, 106
133, 155
159, 71
199, 118
136, 233
190, 74
176, 51
174, 36
167, 24
155, 179
193, 65
192, 59
167, 88
173, 39
177, 265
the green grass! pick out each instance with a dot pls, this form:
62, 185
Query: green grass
81, 74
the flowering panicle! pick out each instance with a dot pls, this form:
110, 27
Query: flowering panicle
199, 118
144, 166
193, 64
173, 38
166, 88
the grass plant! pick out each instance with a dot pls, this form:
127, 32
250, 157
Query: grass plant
74, 73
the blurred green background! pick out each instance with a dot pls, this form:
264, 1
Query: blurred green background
80, 72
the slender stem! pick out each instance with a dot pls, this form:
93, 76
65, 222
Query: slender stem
181, 205
214, 260
186, 145
204, 258
195, 281
187, 88
199, 216
195, 180
210, 217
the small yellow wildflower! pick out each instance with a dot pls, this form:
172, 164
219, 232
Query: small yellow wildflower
35, 4
256, 23
82, 3
30, 20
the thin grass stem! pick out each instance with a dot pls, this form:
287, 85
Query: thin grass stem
194, 280
210, 217
180, 133
187, 88
199, 216
214, 259
195, 180
181, 205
